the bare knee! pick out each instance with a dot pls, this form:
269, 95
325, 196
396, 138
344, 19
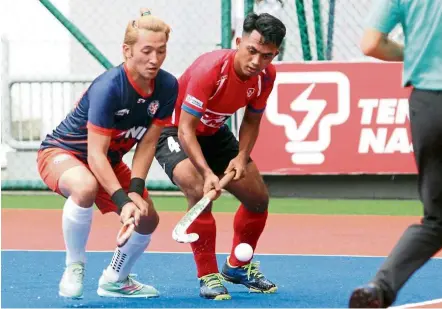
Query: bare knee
251, 191
257, 200
82, 189
190, 182
194, 193
149, 223
258, 203
192, 188
85, 192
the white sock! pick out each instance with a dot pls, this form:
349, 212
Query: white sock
125, 257
77, 223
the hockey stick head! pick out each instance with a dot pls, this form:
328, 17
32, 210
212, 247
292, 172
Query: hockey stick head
181, 236
179, 233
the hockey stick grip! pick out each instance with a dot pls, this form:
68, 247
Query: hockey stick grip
226, 179
125, 232
222, 183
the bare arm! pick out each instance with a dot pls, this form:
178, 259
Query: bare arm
141, 163
145, 152
248, 133
97, 159
198, 90
377, 44
186, 134
383, 16
98, 146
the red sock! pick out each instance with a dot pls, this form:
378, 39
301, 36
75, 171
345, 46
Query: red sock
204, 248
247, 227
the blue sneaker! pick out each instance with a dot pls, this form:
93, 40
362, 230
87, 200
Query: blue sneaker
211, 287
249, 276
367, 296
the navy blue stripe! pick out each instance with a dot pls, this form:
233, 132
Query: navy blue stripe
255, 110
191, 111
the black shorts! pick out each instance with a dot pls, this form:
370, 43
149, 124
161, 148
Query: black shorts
218, 150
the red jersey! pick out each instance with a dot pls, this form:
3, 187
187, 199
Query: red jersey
211, 90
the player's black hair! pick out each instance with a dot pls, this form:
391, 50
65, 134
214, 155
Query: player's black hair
271, 28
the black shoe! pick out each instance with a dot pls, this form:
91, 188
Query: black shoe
250, 276
367, 296
211, 287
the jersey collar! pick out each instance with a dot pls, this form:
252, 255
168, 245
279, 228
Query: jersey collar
134, 85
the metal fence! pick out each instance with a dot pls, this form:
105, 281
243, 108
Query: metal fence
45, 72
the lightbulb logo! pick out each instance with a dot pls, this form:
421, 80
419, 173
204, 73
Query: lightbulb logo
309, 151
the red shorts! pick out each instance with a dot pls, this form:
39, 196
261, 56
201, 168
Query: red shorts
53, 162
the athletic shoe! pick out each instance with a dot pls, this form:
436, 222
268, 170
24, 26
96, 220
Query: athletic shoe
128, 287
71, 284
211, 287
249, 276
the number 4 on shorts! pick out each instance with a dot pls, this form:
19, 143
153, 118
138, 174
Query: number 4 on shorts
173, 145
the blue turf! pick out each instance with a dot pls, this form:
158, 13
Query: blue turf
30, 280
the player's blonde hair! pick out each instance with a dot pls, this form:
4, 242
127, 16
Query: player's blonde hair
147, 22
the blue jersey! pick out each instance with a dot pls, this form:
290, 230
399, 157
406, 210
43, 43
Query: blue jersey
115, 106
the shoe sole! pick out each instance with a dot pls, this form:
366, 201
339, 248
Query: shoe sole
223, 297
103, 293
269, 291
361, 298
251, 288
218, 297
61, 294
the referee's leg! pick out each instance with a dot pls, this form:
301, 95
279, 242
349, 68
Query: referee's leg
420, 241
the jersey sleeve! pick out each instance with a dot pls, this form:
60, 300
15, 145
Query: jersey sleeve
198, 91
165, 111
265, 87
103, 99
384, 15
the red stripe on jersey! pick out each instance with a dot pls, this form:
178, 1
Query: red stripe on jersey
73, 141
136, 86
99, 130
161, 122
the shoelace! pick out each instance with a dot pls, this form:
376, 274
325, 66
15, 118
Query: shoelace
213, 280
253, 270
131, 281
79, 273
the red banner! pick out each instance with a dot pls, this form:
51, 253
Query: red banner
336, 118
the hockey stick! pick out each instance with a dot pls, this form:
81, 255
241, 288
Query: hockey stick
179, 232
125, 232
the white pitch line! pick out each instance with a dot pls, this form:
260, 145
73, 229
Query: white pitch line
424, 303
264, 254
